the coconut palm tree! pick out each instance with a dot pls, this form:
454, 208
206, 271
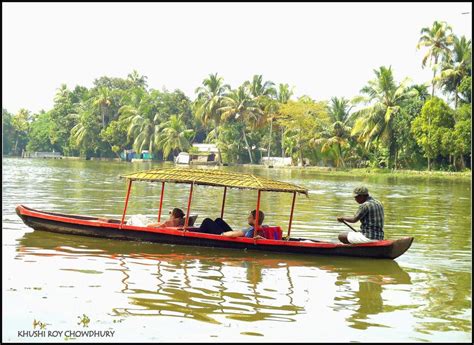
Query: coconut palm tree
85, 133
264, 94
258, 88
143, 122
283, 95
209, 101
422, 91
103, 100
335, 137
383, 97
438, 39
270, 109
456, 67
339, 110
238, 104
174, 136
61, 93
138, 80
133, 97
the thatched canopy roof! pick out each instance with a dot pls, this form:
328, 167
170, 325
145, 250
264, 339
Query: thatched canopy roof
214, 177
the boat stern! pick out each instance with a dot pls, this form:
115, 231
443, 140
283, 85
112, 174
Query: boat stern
400, 246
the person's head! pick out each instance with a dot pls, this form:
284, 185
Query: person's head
253, 215
361, 194
177, 213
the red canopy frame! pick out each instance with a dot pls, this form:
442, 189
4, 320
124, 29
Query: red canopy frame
161, 200
186, 222
126, 202
255, 231
223, 203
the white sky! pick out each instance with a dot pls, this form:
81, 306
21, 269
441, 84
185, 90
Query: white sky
323, 49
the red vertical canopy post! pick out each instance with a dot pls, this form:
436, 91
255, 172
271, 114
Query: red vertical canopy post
223, 203
186, 221
257, 216
291, 215
161, 200
126, 202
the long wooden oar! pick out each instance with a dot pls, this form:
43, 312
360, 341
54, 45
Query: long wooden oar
349, 226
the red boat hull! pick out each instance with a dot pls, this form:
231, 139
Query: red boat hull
96, 227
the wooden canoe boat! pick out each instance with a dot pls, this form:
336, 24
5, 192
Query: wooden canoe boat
187, 235
116, 229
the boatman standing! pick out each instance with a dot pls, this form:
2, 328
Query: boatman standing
371, 216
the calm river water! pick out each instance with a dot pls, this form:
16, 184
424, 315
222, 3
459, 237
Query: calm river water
152, 292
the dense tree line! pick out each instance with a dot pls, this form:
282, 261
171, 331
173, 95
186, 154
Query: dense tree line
389, 124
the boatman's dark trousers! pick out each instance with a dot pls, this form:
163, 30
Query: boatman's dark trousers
216, 227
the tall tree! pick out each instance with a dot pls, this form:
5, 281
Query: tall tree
8, 132
64, 116
432, 128
284, 94
336, 135
409, 153
143, 122
85, 134
300, 119
264, 94
115, 134
40, 133
230, 139
138, 80
383, 97
209, 101
103, 100
174, 136
238, 104
21, 126
462, 143
456, 67
438, 39
258, 88
465, 90
422, 91
270, 108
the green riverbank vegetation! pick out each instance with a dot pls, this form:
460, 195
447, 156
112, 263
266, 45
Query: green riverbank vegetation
390, 125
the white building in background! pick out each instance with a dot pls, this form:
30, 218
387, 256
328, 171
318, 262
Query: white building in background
182, 158
206, 154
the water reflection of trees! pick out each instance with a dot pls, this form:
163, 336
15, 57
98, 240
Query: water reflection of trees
447, 305
362, 287
198, 289
184, 283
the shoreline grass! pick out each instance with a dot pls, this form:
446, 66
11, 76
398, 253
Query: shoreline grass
464, 175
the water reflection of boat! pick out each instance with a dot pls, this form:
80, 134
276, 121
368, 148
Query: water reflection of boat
195, 284
102, 247
270, 237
